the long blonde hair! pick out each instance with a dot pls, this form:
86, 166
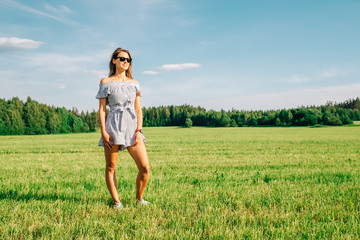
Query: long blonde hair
112, 66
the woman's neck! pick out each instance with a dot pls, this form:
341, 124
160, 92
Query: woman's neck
120, 74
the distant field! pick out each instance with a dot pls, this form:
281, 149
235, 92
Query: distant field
229, 183
356, 122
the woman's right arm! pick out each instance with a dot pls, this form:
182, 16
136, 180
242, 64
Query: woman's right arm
102, 112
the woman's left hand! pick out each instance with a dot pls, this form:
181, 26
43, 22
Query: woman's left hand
137, 138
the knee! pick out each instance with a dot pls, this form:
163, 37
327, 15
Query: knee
145, 170
110, 168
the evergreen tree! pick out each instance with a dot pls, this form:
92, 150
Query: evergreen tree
93, 121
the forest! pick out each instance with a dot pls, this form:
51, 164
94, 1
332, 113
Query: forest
31, 118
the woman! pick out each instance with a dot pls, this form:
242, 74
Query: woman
123, 126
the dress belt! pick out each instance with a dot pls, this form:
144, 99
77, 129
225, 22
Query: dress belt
121, 109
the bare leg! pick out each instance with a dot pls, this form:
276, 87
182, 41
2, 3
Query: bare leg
111, 156
139, 154
115, 182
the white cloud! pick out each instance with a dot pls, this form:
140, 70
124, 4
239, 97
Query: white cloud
98, 73
182, 66
28, 9
57, 63
60, 86
14, 43
23, 7
172, 67
332, 72
149, 72
298, 79
60, 10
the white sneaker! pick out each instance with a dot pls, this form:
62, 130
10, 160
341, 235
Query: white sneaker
118, 205
143, 202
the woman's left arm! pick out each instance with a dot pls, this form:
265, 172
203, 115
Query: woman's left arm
138, 110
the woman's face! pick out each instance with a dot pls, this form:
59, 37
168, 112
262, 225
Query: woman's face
122, 64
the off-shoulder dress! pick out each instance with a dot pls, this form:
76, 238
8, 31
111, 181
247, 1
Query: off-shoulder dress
121, 122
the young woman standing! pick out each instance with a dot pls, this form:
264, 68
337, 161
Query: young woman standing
122, 128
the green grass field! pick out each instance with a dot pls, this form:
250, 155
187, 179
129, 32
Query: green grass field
217, 183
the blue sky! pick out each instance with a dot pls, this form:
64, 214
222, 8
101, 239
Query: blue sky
217, 54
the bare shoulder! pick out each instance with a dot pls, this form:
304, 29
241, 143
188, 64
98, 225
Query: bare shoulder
105, 80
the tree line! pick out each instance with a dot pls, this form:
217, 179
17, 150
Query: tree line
334, 114
30, 117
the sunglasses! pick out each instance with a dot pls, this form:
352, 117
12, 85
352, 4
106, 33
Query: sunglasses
122, 59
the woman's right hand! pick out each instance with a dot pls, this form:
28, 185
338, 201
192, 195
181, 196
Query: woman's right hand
106, 140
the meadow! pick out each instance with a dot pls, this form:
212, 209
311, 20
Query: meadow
206, 183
